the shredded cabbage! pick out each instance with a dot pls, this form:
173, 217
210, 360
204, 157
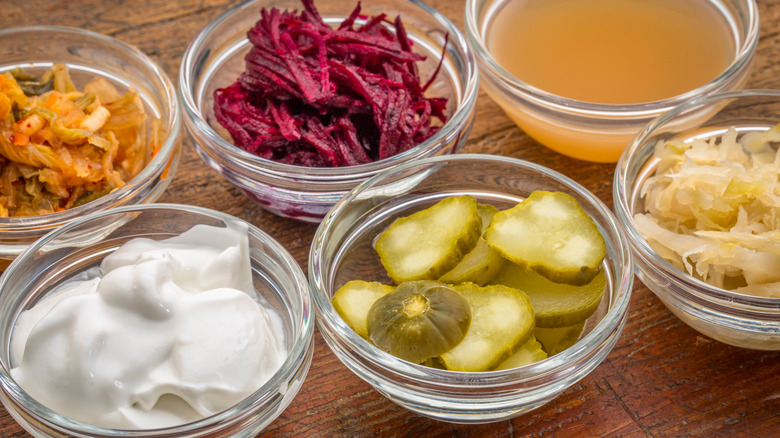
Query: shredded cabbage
712, 208
60, 147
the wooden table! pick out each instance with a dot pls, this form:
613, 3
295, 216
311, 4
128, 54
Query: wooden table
662, 378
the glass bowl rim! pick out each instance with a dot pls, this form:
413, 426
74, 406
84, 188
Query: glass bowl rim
300, 345
610, 323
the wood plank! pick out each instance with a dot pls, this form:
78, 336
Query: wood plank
661, 379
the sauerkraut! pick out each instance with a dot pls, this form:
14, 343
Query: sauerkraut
60, 147
712, 208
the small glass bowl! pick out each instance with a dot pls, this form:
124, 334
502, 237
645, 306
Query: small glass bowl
82, 244
89, 55
735, 319
216, 58
592, 131
342, 250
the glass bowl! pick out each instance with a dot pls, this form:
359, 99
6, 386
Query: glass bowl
216, 58
342, 250
736, 319
595, 131
82, 244
89, 55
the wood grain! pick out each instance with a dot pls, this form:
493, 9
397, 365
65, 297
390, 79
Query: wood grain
662, 378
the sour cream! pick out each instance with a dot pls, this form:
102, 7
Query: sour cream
164, 333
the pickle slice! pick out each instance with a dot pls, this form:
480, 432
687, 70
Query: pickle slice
550, 233
486, 213
483, 262
555, 304
555, 340
353, 301
419, 320
502, 320
428, 243
433, 362
529, 353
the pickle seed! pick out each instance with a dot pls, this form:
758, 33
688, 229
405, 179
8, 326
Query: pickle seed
416, 305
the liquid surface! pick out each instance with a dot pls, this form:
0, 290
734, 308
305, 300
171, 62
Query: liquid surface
612, 51
168, 333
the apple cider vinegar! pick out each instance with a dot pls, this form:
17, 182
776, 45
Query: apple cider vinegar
612, 51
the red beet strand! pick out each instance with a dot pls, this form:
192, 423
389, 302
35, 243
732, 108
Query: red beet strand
316, 96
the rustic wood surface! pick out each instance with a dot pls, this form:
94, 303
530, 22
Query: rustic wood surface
662, 378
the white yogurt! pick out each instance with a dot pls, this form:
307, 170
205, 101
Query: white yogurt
169, 332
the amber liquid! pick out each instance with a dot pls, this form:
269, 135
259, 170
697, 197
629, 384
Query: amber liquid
612, 51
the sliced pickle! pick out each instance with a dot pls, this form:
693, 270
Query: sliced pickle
550, 233
529, 353
428, 243
502, 320
353, 300
478, 266
555, 304
419, 320
555, 340
433, 362
486, 213
483, 262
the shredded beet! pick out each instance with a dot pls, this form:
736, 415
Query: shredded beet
316, 96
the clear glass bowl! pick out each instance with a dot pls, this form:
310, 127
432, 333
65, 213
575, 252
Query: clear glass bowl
590, 131
89, 55
342, 250
732, 318
216, 58
82, 244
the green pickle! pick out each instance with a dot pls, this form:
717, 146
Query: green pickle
541, 262
353, 300
555, 340
426, 244
529, 353
502, 321
483, 262
419, 320
555, 304
550, 233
